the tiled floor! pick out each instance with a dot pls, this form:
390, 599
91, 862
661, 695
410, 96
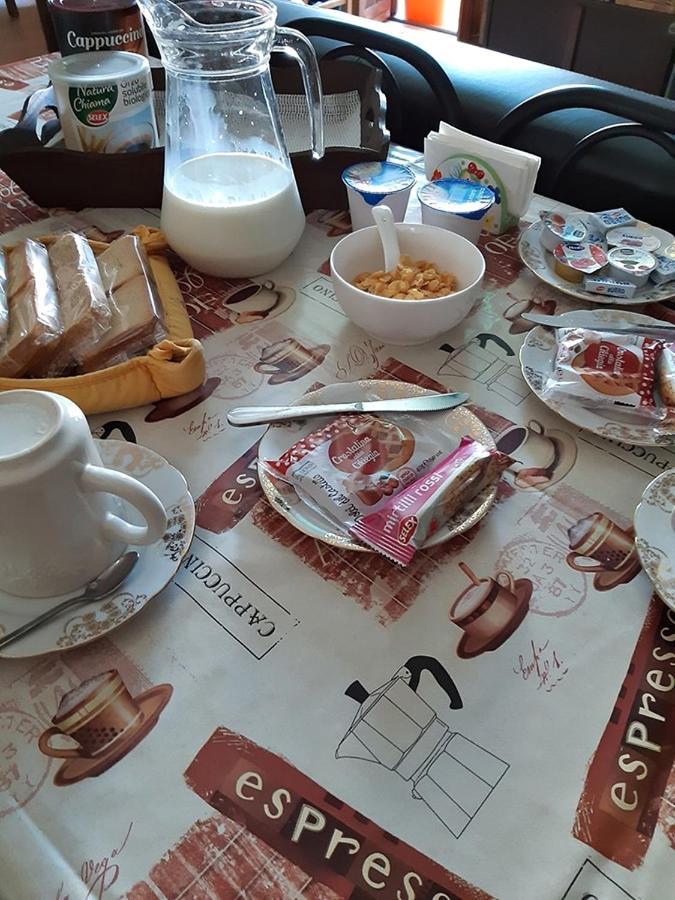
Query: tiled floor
22, 37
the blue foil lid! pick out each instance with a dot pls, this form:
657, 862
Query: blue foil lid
456, 195
376, 180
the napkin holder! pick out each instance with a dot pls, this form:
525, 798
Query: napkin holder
473, 168
55, 177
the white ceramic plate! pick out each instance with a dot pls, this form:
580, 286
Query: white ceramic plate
655, 535
537, 360
156, 566
541, 262
454, 423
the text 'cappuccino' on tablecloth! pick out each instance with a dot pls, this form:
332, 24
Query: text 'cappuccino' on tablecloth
232, 600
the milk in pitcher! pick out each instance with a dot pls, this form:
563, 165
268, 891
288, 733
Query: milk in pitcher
232, 214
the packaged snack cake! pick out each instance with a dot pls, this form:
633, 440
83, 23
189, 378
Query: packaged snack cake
352, 464
405, 521
355, 465
606, 369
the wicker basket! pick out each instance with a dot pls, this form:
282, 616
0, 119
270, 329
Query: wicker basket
173, 367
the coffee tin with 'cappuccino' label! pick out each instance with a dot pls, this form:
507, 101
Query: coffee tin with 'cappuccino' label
105, 102
86, 26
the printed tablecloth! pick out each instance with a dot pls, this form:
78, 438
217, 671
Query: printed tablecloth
337, 726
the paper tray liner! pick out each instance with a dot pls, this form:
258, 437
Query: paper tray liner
173, 367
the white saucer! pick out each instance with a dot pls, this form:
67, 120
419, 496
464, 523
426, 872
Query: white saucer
156, 566
537, 361
542, 263
655, 535
455, 423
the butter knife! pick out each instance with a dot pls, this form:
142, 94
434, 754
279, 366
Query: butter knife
260, 415
665, 331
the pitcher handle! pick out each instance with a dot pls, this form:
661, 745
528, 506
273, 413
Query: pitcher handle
300, 47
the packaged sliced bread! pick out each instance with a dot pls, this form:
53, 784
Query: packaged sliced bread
35, 327
86, 310
136, 323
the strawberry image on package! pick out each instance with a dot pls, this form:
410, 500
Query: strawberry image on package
405, 521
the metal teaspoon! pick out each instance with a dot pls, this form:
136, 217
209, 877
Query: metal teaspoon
97, 589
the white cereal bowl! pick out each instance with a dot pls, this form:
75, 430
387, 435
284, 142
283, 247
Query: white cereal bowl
407, 322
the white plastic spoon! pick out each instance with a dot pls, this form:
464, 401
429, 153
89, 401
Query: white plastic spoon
384, 219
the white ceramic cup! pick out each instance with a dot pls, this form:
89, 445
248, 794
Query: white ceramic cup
59, 522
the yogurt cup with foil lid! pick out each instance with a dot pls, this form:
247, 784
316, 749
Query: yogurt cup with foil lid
369, 184
631, 264
573, 261
631, 236
458, 196
562, 229
456, 204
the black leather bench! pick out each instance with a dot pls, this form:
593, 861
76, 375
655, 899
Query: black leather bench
523, 104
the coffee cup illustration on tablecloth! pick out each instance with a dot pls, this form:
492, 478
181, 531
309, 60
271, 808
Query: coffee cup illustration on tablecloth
601, 547
541, 458
489, 611
98, 723
289, 360
117, 430
252, 302
334, 223
171, 407
515, 311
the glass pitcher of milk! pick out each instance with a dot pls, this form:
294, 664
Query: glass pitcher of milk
231, 205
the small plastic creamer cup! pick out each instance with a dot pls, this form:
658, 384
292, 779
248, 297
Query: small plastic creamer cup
457, 205
373, 183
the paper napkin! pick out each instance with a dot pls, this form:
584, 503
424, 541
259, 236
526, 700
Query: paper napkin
451, 153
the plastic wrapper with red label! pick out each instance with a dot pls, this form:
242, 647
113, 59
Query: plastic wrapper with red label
606, 370
666, 378
630, 377
86, 310
136, 322
35, 326
407, 520
355, 463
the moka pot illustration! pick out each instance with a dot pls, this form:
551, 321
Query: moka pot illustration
396, 728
